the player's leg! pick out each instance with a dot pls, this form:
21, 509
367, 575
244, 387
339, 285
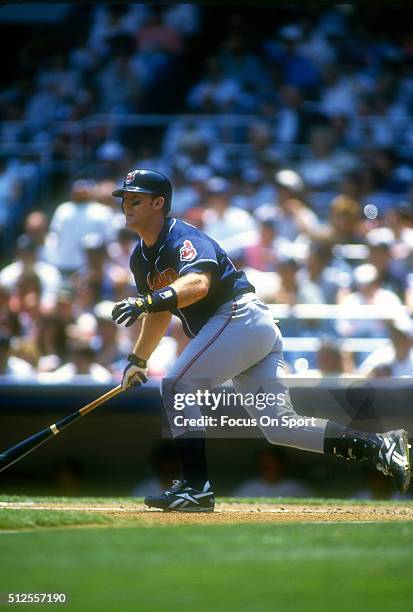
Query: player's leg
223, 348
388, 451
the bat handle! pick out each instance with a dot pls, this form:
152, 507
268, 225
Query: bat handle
100, 400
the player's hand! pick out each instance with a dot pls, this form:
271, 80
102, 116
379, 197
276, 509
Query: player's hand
130, 310
135, 373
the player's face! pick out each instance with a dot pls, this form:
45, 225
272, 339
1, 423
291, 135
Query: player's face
137, 208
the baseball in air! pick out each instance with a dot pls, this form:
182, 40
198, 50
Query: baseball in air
371, 211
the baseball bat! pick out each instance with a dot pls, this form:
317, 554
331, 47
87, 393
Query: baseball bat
18, 451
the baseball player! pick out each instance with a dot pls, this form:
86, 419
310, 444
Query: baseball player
180, 270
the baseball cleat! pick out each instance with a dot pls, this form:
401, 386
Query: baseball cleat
393, 458
183, 498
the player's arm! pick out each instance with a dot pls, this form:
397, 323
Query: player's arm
191, 288
157, 309
184, 291
153, 329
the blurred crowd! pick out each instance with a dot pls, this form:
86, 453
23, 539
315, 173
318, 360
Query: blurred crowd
293, 149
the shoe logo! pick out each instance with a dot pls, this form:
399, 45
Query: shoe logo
389, 453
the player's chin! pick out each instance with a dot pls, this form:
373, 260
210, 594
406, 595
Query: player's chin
130, 219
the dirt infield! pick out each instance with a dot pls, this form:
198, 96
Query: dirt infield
233, 513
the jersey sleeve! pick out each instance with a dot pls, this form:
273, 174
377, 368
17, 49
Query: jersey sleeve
194, 254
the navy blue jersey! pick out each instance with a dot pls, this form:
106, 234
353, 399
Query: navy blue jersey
181, 249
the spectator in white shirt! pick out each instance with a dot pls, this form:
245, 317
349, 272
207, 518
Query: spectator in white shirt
398, 355
368, 291
71, 221
231, 226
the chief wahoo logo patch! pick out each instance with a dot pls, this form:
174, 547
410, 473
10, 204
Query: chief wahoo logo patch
187, 251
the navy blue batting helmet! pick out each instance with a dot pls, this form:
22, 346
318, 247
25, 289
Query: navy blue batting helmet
147, 181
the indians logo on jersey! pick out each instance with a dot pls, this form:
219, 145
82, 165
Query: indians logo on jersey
187, 251
158, 280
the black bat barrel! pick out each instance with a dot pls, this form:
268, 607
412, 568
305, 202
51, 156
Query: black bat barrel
20, 450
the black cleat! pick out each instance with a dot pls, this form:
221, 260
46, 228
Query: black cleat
393, 459
183, 498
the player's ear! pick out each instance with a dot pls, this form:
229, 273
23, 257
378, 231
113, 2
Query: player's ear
158, 203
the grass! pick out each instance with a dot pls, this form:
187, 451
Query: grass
29, 519
240, 567
237, 567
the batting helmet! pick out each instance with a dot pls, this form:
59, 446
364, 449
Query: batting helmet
147, 181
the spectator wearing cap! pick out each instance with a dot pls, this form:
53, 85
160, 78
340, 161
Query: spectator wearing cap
108, 343
292, 215
232, 227
368, 291
98, 271
10, 366
398, 355
26, 262
71, 221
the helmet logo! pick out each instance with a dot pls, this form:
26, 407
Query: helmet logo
187, 251
130, 176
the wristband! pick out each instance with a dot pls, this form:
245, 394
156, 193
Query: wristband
162, 299
137, 361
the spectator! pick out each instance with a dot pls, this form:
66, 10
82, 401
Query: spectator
83, 367
51, 338
344, 226
26, 261
321, 275
296, 70
291, 214
231, 226
9, 319
36, 227
11, 366
71, 222
368, 291
325, 164
216, 92
271, 479
330, 361
392, 273
397, 356
262, 254
98, 271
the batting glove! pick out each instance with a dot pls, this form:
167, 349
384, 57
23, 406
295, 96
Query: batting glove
135, 373
130, 310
